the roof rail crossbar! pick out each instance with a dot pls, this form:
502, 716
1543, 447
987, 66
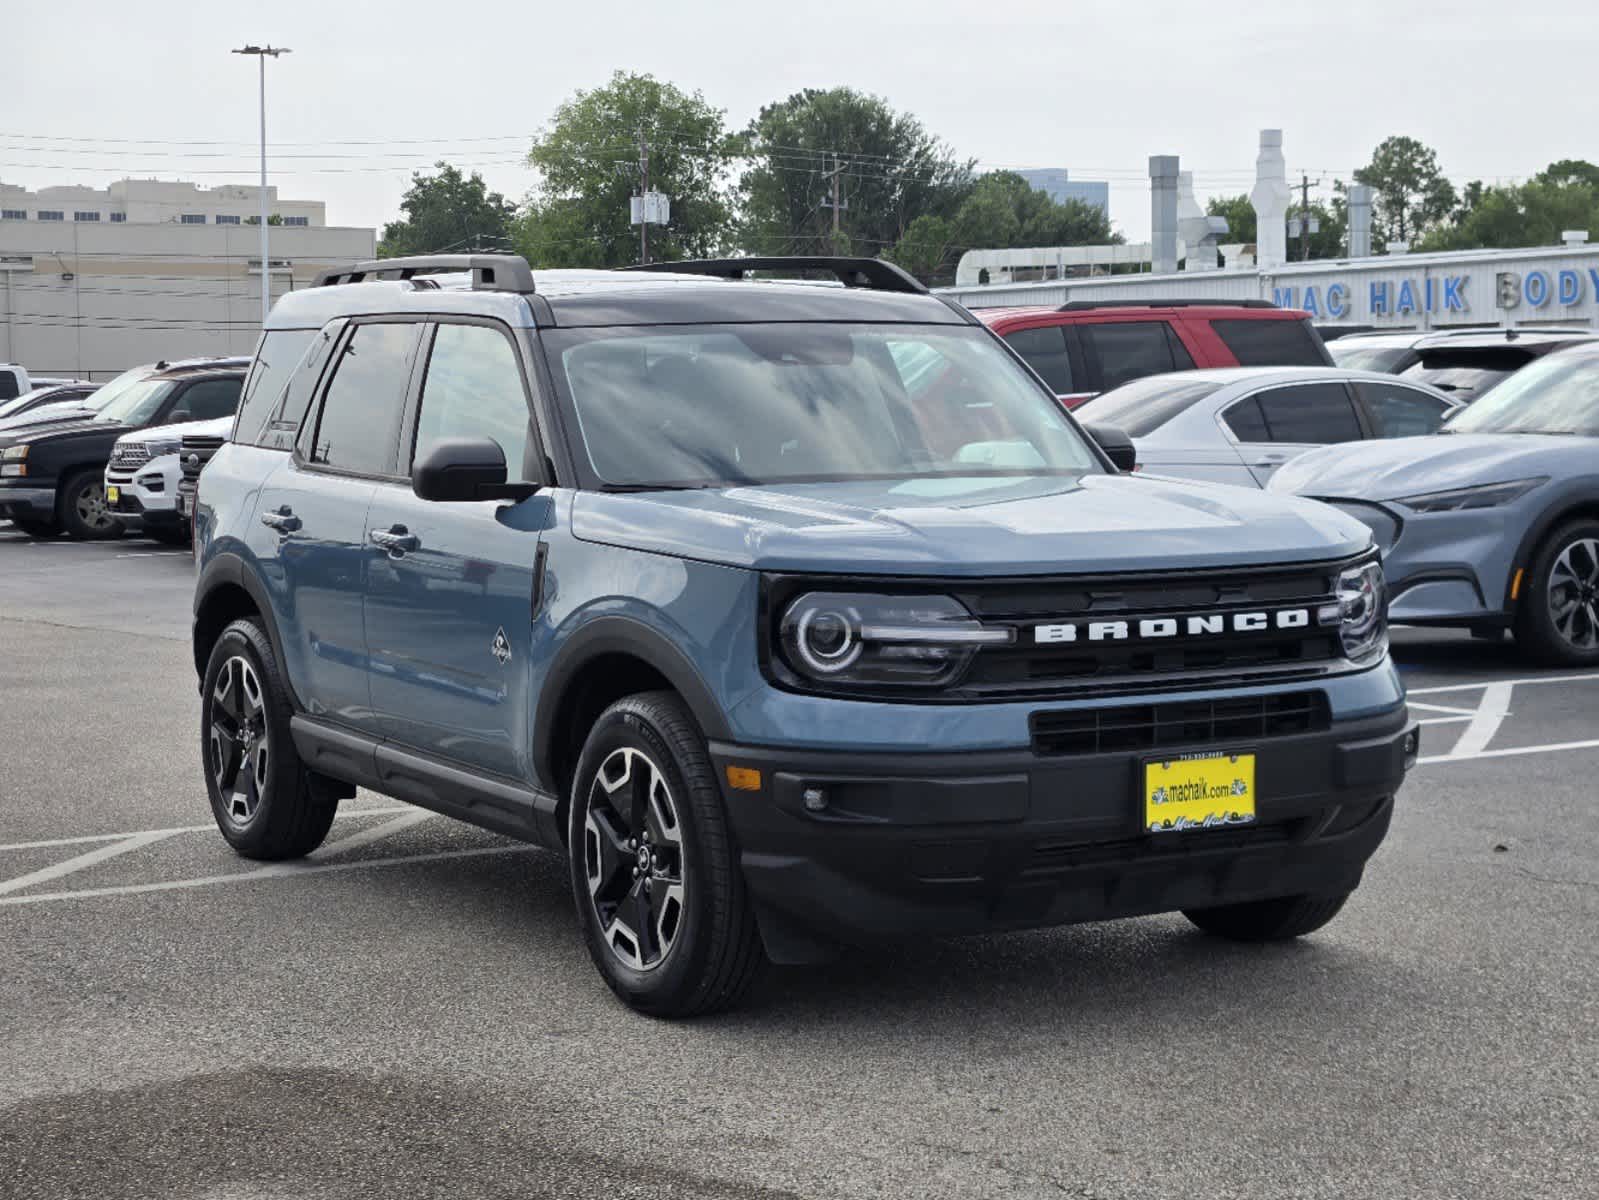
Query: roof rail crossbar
870, 273
1085, 305
490, 272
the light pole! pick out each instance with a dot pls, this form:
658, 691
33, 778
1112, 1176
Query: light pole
262, 53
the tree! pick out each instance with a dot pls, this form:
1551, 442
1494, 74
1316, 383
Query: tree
1565, 195
1004, 210
927, 247
1240, 214
1412, 195
588, 159
890, 170
447, 211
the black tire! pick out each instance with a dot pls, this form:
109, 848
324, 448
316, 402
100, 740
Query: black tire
81, 510
1275, 920
44, 530
707, 954
273, 808
1563, 577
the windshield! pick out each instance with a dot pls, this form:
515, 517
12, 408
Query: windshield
1143, 406
25, 401
1367, 358
696, 406
1557, 394
135, 403
1461, 382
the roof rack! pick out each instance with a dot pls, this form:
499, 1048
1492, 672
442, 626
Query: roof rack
490, 272
871, 273
1085, 305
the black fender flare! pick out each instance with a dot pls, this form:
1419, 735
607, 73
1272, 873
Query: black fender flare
1582, 501
620, 635
229, 568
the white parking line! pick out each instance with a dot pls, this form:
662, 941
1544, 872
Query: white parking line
1491, 713
209, 828
1443, 708
81, 861
1467, 687
377, 832
1508, 752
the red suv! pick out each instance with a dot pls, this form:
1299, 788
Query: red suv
1090, 346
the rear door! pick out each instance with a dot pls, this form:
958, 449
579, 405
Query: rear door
1117, 352
310, 527
450, 586
1280, 423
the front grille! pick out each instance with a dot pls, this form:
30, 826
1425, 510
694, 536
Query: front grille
129, 455
1057, 856
1187, 723
195, 451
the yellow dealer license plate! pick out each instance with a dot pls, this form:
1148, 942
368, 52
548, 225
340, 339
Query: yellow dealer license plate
1201, 791
113, 494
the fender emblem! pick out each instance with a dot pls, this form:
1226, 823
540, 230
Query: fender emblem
501, 646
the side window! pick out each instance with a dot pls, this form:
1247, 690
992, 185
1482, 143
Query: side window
1128, 350
8, 386
275, 359
1316, 414
1045, 351
208, 400
1272, 342
358, 428
1398, 411
1245, 421
473, 388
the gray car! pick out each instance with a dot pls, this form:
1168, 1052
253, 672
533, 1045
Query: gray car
1239, 425
1493, 523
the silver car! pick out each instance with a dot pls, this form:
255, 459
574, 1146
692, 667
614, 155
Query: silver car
1239, 425
1493, 523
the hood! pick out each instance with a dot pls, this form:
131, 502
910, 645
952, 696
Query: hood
48, 414
222, 426
968, 526
110, 430
1392, 468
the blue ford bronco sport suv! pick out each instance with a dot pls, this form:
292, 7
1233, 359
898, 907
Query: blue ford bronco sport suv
795, 616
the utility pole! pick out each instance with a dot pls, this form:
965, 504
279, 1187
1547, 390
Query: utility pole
1304, 214
837, 204
644, 198
262, 53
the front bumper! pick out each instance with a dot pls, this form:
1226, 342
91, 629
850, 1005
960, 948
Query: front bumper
968, 843
29, 503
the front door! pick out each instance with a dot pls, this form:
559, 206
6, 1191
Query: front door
450, 586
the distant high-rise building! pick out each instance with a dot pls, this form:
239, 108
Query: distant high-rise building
1054, 182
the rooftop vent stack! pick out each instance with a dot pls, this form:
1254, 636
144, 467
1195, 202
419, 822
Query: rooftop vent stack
1574, 237
1360, 221
1270, 200
1163, 211
1194, 227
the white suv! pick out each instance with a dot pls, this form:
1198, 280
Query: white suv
141, 480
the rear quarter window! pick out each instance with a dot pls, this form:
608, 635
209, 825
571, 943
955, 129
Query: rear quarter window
1272, 342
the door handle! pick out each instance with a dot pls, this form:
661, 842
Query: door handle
282, 519
396, 539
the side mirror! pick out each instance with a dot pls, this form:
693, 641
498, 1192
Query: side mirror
1118, 447
460, 469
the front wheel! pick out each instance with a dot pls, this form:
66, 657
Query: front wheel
662, 903
83, 511
1558, 618
1274, 920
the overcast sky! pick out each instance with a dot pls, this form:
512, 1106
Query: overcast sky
1096, 86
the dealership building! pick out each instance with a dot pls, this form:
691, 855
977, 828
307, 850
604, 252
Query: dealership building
93, 281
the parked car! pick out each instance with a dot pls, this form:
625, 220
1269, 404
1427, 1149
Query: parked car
143, 475
51, 475
68, 411
1492, 523
1240, 425
1091, 346
1463, 362
55, 393
195, 449
792, 616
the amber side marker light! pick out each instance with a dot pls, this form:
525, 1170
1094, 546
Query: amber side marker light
744, 779
1515, 584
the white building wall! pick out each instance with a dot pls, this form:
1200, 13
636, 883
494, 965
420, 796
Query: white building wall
155, 202
92, 299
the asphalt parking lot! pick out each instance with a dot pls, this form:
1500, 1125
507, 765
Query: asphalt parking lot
411, 1012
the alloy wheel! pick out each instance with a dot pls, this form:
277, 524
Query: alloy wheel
91, 508
1574, 594
238, 742
633, 859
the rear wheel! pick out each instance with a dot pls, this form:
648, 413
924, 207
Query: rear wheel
1273, 920
266, 803
82, 509
1558, 618
663, 905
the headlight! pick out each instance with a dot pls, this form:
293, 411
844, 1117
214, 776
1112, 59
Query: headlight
13, 453
1488, 495
13, 470
1361, 611
850, 639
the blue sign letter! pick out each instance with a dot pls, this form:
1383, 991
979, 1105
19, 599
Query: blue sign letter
1335, 300
1454, 293
1407, 298
1570, 288
1309, 302
1535, 287
1379, 297
1283, 297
